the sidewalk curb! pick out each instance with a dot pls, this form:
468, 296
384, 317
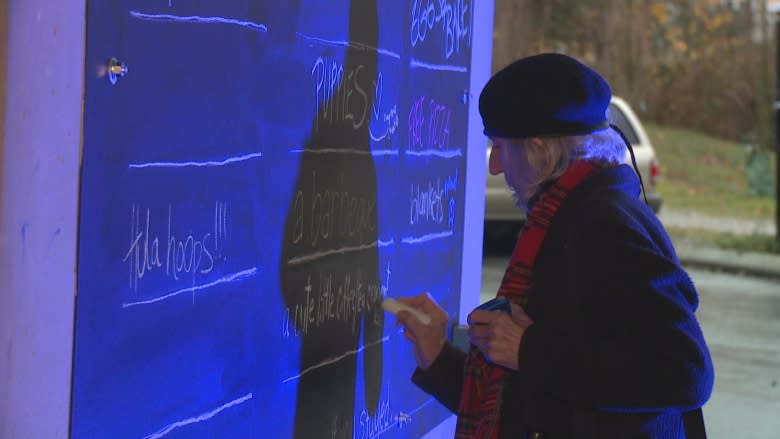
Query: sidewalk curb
752, 264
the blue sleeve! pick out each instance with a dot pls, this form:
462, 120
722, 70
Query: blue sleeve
444, 379
639, 346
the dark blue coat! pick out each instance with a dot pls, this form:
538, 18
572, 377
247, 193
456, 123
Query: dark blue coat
615, 350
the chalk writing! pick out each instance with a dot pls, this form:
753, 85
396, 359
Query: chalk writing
386, 283
325, 213
190, 254
339, 426
342, 297
403, 419
220, 222
340, 96
369, 426
450, 188
449, 15
429, 124
388, 119
426, 204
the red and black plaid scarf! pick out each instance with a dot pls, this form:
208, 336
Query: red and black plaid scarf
480, 401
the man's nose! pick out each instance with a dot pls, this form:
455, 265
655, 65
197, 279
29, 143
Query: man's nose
494, 164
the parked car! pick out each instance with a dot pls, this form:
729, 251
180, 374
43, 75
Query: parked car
502, 215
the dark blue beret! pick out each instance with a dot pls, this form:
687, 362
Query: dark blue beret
544, 95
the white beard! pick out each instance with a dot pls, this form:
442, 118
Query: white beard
519, 201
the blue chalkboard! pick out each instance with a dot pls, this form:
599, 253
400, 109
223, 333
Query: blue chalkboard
260, 178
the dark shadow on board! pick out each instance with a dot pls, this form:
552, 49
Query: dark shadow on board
330, 261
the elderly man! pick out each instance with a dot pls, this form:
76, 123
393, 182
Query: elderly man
600, 339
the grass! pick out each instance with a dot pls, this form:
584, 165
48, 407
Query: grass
706, 174
709, 175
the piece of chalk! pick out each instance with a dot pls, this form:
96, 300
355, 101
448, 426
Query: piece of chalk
394, 306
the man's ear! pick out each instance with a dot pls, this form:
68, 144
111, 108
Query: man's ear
534, 144
536, 153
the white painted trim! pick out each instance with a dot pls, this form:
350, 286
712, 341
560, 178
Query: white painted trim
481, 57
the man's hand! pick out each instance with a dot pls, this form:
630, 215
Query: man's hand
428, 340
497, 335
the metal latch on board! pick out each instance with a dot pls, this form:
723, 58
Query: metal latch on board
116, 70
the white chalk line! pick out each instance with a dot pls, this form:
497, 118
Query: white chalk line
451, 153
259, 27
325, 253
207, 163
349, 249
375, 152
426, 238
416, 63
335, 359
322, 254
351, 44
200, 418
241, 275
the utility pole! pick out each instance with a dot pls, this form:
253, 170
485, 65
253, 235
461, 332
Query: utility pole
776, 9
773, 6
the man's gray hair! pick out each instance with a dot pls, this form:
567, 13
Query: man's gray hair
549, 157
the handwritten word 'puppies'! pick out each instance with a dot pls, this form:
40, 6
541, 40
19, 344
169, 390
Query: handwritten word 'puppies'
341, 95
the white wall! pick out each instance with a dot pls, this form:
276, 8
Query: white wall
39, 162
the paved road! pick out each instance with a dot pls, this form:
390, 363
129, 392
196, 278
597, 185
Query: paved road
695, 220
740, 317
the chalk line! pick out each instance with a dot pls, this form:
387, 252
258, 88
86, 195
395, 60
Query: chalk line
351, 44
416, 63
449, 153
200, 418
335, 359
207, 163
375, 152
426, 238
259, 27
241, 275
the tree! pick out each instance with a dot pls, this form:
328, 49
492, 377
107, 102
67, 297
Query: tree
697, 64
